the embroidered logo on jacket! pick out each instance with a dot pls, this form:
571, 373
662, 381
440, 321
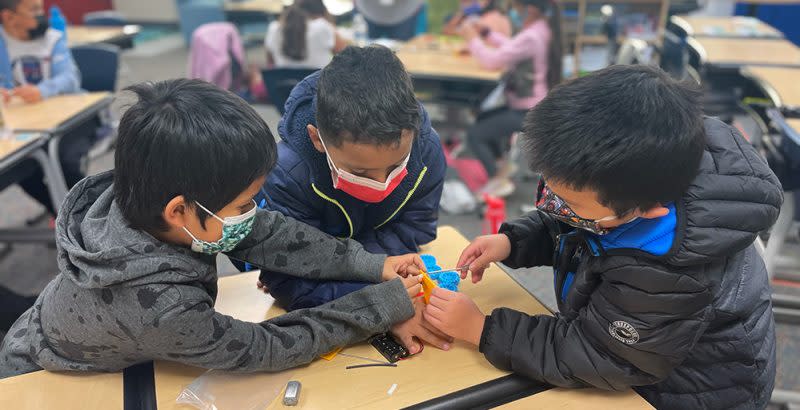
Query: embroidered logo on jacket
624, 332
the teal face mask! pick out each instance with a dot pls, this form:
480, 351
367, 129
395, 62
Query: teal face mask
234, 230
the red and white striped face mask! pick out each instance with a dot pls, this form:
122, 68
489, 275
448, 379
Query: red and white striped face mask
365, 189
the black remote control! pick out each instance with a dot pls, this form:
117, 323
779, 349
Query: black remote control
388, 347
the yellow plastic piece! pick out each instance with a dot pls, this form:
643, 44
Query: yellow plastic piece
428, 285
330, 355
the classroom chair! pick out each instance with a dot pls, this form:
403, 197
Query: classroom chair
194, 13
280, 81
104, 18
99, 66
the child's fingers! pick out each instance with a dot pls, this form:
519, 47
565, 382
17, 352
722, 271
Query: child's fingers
437, 332
468, 254
431, 338
407, 340
420, 265
435, 311
414, 291
433, 320
477, 275
442, 293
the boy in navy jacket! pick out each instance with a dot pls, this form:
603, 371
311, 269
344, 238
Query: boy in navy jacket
358, 159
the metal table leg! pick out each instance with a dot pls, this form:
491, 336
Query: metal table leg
51, 166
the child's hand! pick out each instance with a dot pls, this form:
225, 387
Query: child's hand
455, 314
28, 93
262, 287
483, 251
402, 265
412, 284
418, 328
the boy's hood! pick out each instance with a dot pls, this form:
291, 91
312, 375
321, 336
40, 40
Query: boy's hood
734, 197
97, 247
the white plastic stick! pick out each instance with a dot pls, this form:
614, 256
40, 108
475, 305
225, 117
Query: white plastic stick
392, 389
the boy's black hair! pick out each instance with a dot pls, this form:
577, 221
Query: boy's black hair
9, 4
365, 96
190, 138
630, 133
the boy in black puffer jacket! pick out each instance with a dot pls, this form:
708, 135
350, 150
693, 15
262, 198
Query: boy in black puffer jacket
647, 212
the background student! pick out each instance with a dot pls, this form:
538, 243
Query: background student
532, 61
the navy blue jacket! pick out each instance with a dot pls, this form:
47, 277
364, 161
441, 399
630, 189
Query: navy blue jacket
300, 186
676, 307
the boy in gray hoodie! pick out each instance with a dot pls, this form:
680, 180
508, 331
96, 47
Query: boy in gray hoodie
137, 246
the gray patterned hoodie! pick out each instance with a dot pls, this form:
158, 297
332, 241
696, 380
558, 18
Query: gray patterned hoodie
123, 297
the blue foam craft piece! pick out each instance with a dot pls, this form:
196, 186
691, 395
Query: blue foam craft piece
446, 280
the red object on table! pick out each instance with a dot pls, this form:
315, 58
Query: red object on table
75, 9
495, 214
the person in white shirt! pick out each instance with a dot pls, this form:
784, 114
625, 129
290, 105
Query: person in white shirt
303, 37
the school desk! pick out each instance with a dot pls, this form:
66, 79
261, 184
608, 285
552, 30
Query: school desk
15, 148
781, 84
269, 7
735, 53
579, 399
121, 36
441, 58
726, 27
62, 390
430, 375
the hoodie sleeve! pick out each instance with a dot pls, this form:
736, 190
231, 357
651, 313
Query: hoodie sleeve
65, 78
282, 244
193, 333
631, 333
292, 293
415, 223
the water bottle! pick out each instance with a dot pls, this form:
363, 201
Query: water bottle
57, 20
359, 30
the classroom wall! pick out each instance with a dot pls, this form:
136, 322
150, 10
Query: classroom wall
156, 11
75, 9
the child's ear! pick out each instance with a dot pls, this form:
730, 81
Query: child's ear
655, 212
313, 134
176, 212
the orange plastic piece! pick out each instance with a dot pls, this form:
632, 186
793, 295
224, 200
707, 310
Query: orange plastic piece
428, 285
330, 355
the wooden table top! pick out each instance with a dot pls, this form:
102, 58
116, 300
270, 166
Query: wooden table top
794, 123
255, 6
443, 57
767, 2
738, 26
62, 390
579, 399
431, 374
335, 7
80, 35
48, 115
782, 81
11, 143
738, 52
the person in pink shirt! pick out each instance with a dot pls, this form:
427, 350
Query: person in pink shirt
486, 13
532, 64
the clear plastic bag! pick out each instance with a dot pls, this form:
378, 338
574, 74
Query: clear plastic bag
219, 390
